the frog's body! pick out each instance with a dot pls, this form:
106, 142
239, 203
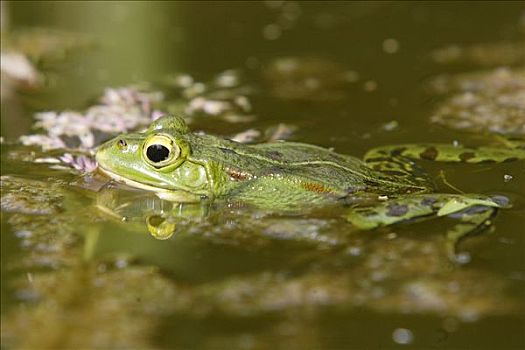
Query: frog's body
187, 167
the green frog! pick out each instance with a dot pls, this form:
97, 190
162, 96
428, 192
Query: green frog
385, 188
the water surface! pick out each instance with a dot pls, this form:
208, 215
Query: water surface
77, 278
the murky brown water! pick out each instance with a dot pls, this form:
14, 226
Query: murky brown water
346, 75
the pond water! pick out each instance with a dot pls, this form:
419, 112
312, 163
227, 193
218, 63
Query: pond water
345, 75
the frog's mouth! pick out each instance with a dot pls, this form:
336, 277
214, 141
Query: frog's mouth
162, 193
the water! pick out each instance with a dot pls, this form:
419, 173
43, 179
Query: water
78, 278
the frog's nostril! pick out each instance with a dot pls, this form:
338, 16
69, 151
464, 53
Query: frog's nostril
122, 143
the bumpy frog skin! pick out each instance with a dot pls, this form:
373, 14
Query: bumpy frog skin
185, 167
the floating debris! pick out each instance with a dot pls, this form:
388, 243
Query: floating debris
483, 102
487, 54
354, 250
390, 46
200, 104
226, 97
182, 81
463, 258
82, 163
44, 45
247, 136
286, 17
273, 133
121, 110
27, 54
370, 85
308, 78
20, 195
228, 79
280, 132
16, 67
391, 125
272, 31
402, 336
44, 141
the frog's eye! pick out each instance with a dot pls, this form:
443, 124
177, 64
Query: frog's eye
160, 150
157, 153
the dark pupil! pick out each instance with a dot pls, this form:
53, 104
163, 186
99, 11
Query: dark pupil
157, 153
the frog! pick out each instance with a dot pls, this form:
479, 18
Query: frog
386, 187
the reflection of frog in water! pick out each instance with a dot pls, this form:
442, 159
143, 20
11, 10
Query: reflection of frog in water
181, 166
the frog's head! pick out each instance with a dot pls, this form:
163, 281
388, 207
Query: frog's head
156, 160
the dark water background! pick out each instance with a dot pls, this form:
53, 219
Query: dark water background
144, 41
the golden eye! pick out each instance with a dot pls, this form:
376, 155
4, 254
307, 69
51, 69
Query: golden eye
160, 150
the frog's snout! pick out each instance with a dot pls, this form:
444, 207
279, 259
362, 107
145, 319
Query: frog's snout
101, 154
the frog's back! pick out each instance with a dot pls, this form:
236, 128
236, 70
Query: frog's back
296, 153
318, 168
292, 168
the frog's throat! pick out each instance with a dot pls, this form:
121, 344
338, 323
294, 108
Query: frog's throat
162, 193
